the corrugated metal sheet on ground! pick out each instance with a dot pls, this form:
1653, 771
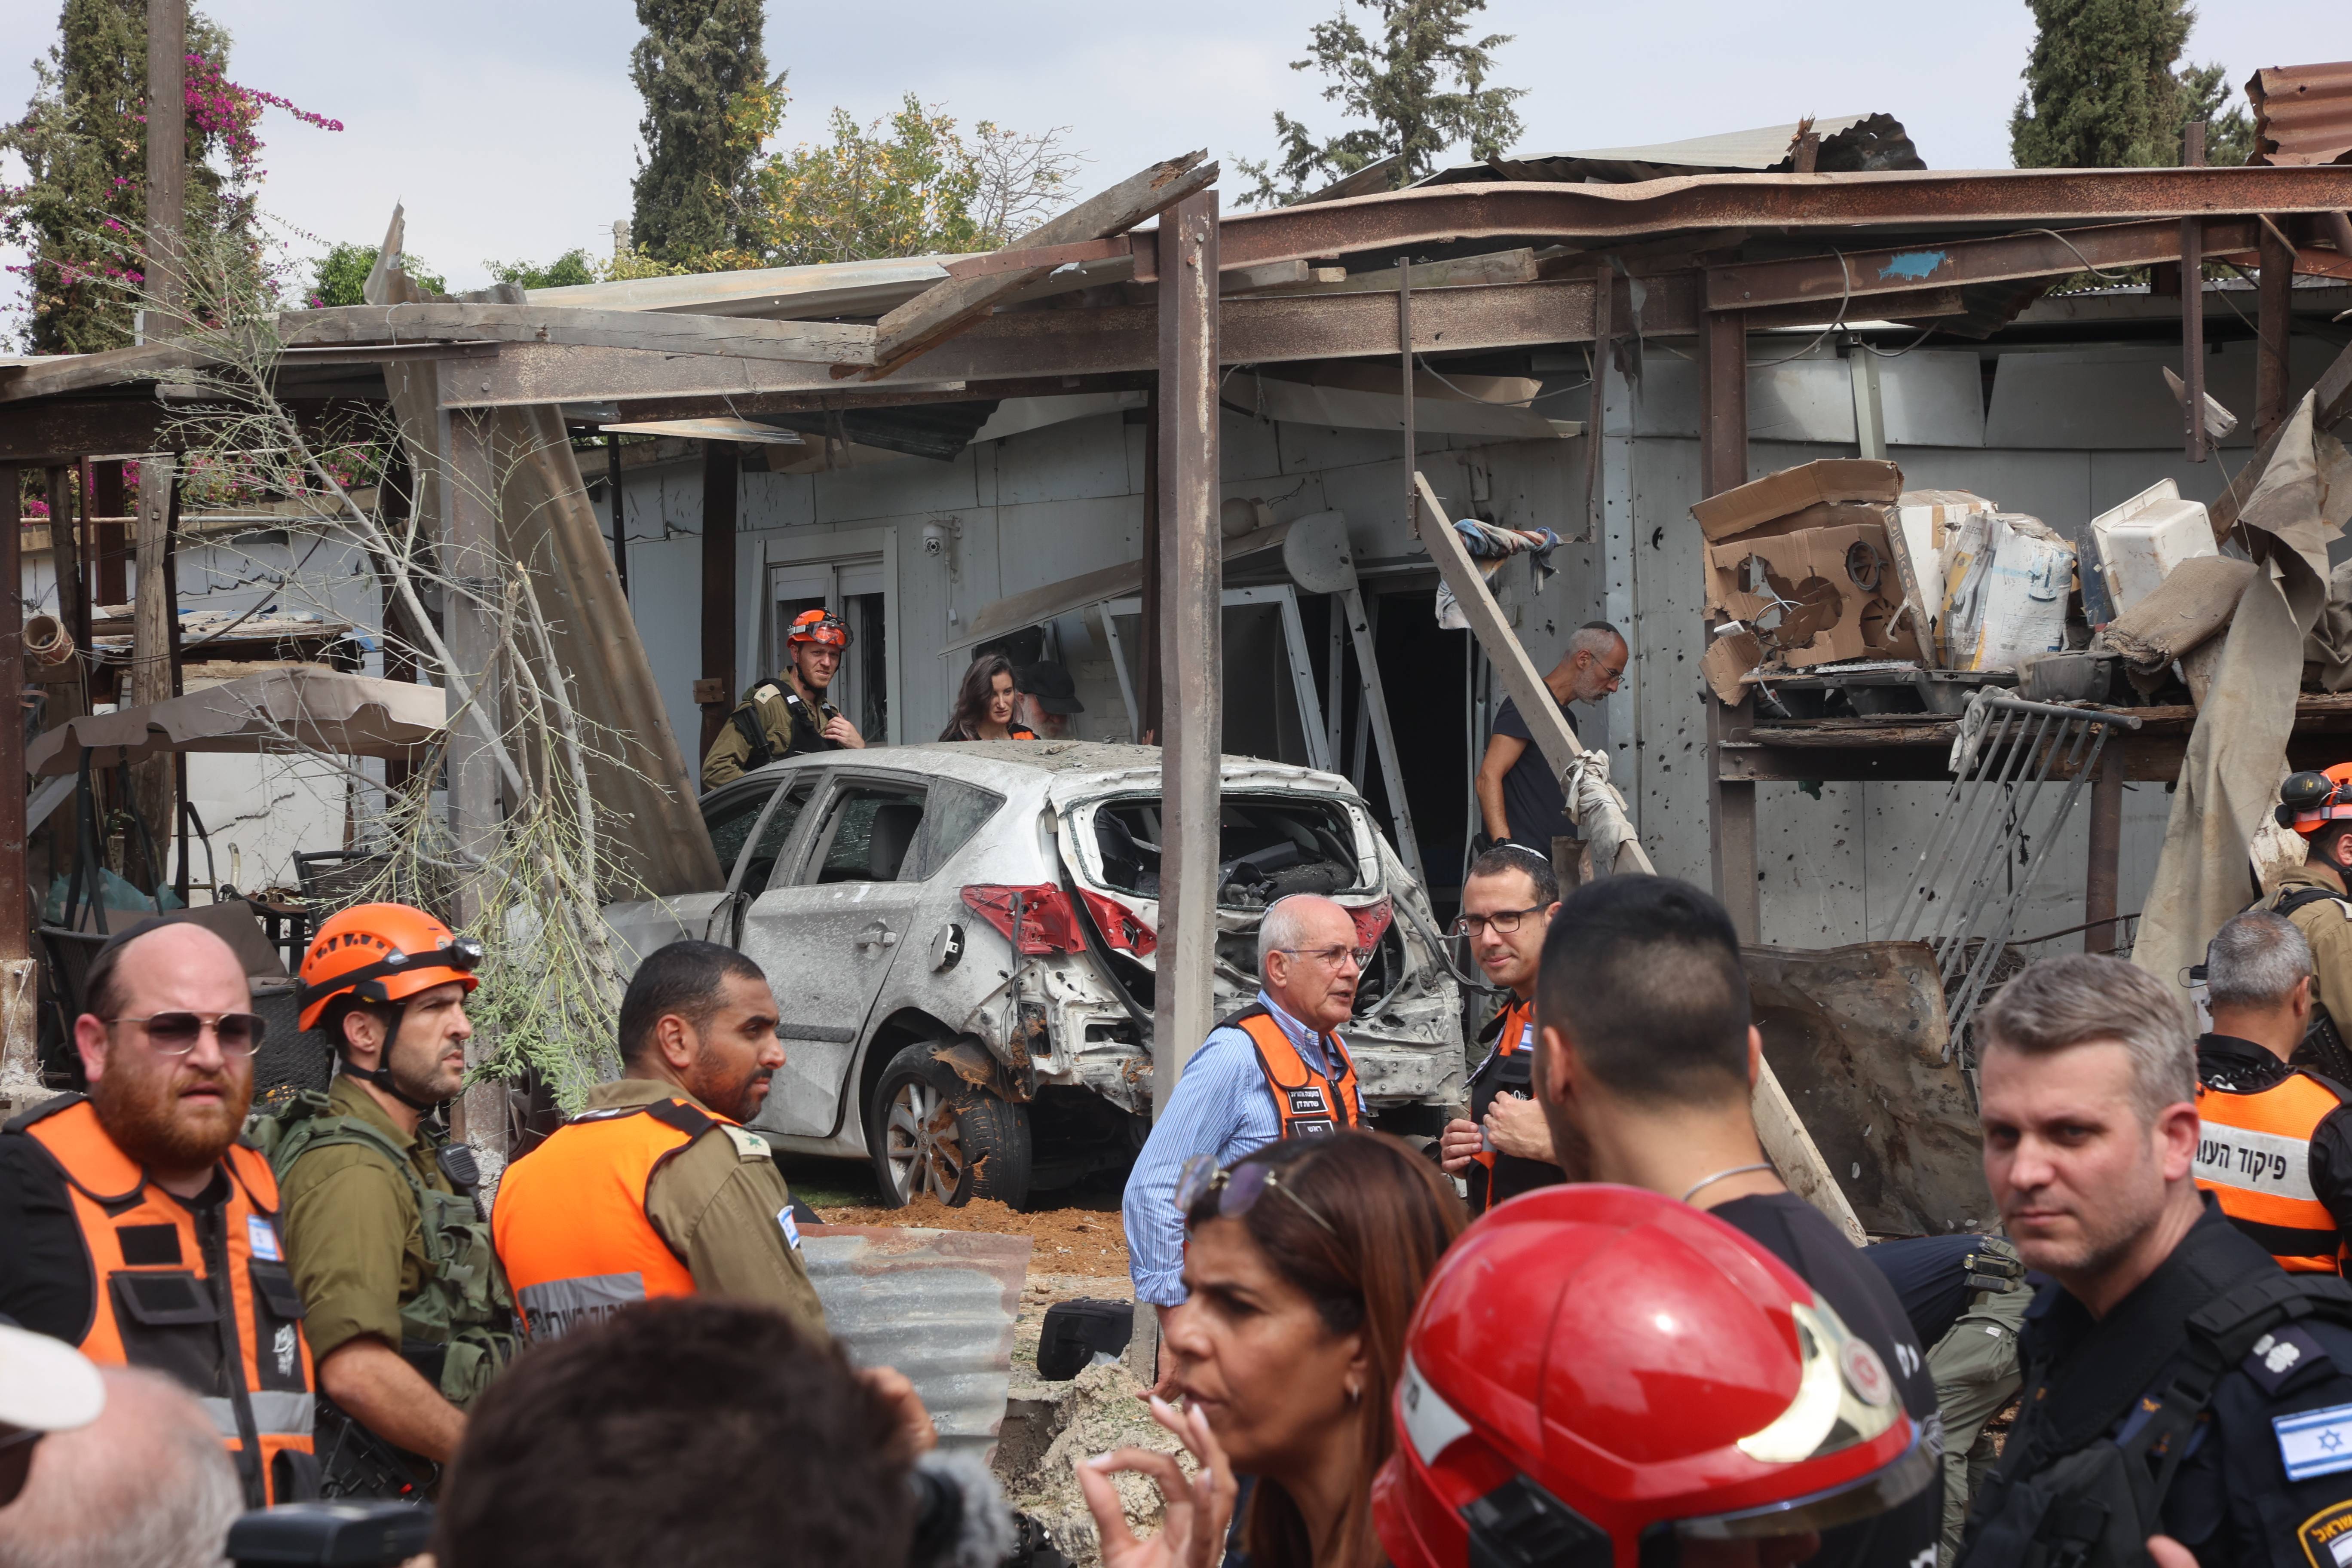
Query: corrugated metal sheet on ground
2303, 114
937, 1305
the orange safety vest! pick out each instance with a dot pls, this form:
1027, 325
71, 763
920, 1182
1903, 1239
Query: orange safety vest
1307, 1103
570, 1224
157, 1300
2253, 1154
1518, 1036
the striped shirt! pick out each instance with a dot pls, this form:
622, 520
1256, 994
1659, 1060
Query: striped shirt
1222, 1105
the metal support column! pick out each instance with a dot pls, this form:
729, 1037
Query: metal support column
19, 1041
620, 512
1723, 465
716, 690
2273, 324
1191, 651
2103, 865
1149, 715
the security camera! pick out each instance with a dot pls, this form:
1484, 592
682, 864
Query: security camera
936, 536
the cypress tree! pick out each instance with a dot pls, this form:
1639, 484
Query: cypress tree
2104, 88
702, 71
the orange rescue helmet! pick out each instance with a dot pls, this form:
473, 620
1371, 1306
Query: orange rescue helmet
819, 626
2309, 802
383, 952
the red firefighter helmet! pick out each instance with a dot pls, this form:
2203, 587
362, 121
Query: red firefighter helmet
383, 952
1597, 1377
818, 626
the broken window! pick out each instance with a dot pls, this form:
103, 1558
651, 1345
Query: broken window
1268, 849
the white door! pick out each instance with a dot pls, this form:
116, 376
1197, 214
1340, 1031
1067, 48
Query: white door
835, 913
856, 588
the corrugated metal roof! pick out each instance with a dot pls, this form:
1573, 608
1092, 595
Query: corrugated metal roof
937, 1305
2303, 114
1850, 144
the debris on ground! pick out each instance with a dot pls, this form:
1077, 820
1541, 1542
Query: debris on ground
1094, 1414
1067, 1241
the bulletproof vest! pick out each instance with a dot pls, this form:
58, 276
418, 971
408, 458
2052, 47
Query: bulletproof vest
1494, 1176
457, 1330
2095, 1504
2323, 1049
808, 726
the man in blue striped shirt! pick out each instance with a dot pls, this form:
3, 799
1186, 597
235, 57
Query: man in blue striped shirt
1275, 1071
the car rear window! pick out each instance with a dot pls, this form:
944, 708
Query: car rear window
958, 811
1269, 847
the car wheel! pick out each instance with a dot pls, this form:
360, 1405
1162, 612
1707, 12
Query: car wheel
932, 1132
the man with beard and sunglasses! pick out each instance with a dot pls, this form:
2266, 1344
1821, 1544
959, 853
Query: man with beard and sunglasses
655, 1189
137, 1227
407, 1313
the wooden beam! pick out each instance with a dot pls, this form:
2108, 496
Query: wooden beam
19, 1034
945, 309
166, 131
721, 474
1459, 272
65, 431
152, 613
1786, 1142
731, 337
469, 513
2274, 321
1026, 258
2103, 865
1191, 639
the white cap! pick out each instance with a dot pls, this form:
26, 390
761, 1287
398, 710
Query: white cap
46, 1384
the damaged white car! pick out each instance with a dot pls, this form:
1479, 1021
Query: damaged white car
961, 943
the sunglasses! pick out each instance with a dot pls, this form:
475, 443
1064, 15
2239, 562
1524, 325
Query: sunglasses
176, 1034
1235, 1191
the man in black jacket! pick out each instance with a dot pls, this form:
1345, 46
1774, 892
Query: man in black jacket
2178, 1382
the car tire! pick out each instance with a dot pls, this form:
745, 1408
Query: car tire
932, 1132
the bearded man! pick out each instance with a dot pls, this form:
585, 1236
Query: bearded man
136, 1226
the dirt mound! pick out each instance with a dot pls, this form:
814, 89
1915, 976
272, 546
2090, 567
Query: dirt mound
1067, 1241
1099, 1413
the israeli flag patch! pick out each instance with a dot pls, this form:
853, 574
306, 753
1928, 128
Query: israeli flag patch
791, 1231
261, 1237
2315, 1442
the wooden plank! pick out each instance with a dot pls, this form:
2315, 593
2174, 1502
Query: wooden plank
68, 430
1028, 257
946, 309
732, 337
722, 471
1459, 272
1786, 1142
1041, 344
1191, 639
19, 1042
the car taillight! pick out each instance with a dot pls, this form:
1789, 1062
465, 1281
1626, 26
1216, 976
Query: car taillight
1371, 923
1048, 923
1121, 928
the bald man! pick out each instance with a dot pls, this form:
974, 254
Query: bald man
1519, 797
1275, 1069
146, 1482
135, 1224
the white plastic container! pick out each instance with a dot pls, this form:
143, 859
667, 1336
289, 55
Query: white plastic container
2140, 542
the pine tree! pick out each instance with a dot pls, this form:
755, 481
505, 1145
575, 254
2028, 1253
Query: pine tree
1422, 88
703, 73
84, 143
2104, 90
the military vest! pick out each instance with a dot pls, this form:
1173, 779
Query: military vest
457, 1330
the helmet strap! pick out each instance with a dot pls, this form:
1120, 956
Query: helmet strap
381, 1074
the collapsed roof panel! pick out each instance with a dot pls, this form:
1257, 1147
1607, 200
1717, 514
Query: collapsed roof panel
1851, 143
2303, 114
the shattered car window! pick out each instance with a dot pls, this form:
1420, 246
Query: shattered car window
1268, 850
760, 868
958, 811
872, 827
731, 821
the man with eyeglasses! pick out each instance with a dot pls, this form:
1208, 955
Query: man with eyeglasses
135, 1224
1275, 1069
1503, 1148
1519, 797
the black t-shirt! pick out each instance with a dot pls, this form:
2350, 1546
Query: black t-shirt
45, 1281
1930, 1277
1532, 801
1800, 1235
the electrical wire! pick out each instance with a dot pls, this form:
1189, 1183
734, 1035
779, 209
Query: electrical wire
1517, 403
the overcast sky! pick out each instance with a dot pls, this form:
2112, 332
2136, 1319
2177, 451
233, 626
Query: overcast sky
509, 128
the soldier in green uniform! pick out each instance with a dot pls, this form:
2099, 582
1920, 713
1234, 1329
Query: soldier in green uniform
409, 1313
788, 715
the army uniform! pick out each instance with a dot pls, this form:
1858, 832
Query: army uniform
772, 720
382, 1241
2312, 898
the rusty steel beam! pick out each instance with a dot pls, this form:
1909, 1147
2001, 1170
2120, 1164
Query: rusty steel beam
68, 429
1894, 199
1827, 278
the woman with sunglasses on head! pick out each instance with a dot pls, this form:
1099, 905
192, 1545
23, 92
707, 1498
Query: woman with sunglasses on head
985, 703
1303, 1264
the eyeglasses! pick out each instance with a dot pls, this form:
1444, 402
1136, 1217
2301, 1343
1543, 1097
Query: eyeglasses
1236, 1191
1504, 921
1331, 957
175, 1034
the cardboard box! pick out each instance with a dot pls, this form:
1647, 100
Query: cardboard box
1821, 595
2007, 579
1827, 482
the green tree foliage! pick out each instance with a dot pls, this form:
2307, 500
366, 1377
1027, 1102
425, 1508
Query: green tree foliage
703, 74
340, 276
1419, 87
2104, 90
572, 268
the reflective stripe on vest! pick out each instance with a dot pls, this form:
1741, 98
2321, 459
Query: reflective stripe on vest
155, 1302
1306, 1101
571, 1220
2253, 1154
1518, 1033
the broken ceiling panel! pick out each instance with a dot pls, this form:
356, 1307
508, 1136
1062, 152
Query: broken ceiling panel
1850, 144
